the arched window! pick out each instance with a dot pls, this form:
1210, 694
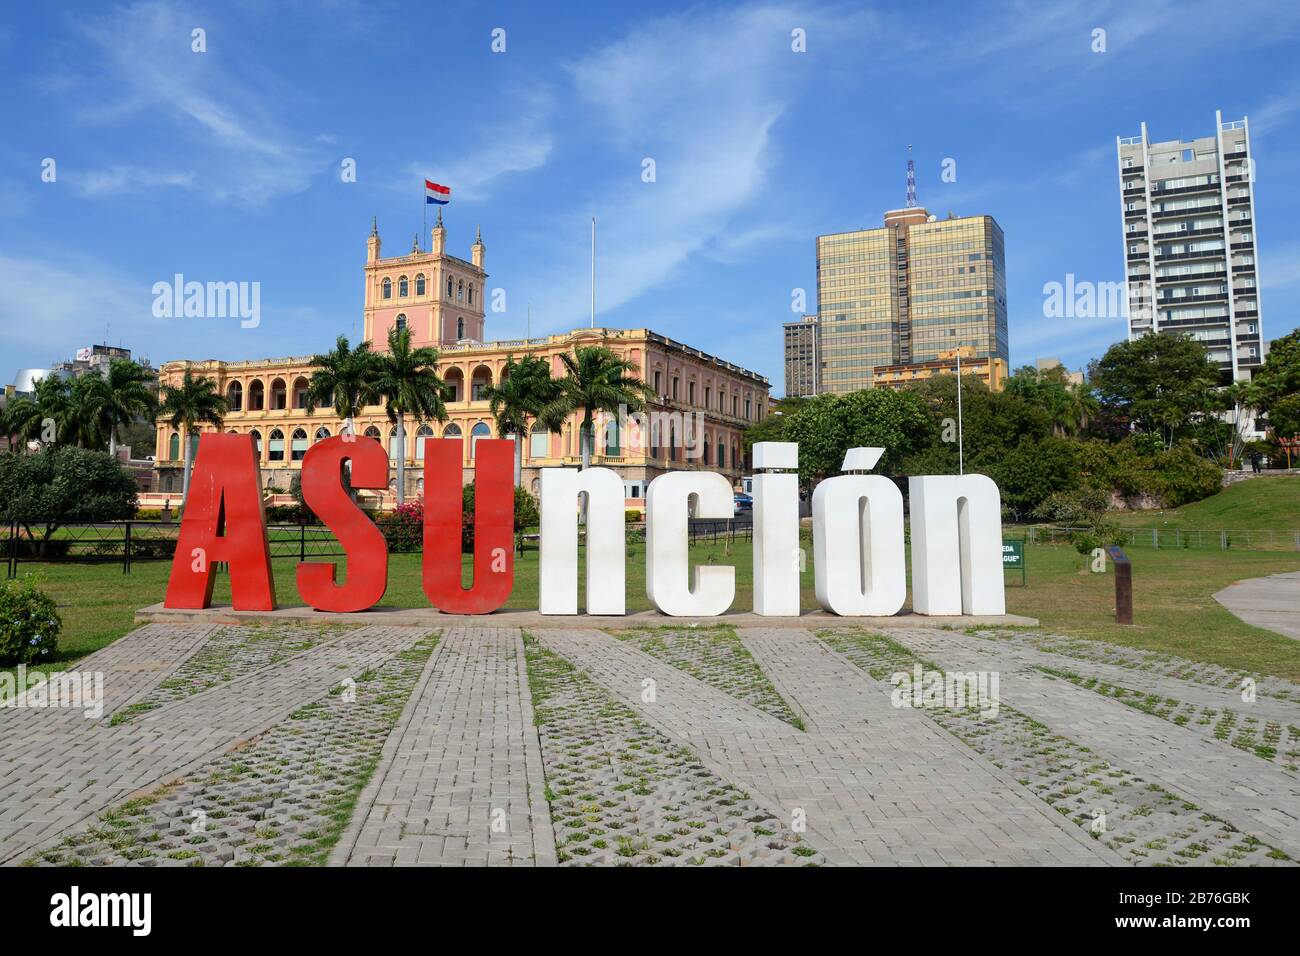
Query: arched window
722, 455
612, 437
451, 431
539, 442
401, 321
300, 388
279, 394
403, 287
480, 430
705, 460
460, 290
424, 432
174, 447
460, 328
235, 397
395, 449
298, 444
479, 383
256, 395
388, 288
454, 381
471, 293
449, 287
322, 433
276, 446
257, 443
419, 284
373, 432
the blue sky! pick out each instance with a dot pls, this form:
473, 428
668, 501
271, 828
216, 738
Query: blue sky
225, 165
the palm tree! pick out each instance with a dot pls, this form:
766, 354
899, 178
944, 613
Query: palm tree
80, 422
525, 392
121, 397
194, 402
22, 420
52, 398
408, 382
595, 380
344, 380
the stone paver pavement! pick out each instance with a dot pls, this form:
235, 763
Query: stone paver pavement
893, 789
57, 771
461, 781
1256, 796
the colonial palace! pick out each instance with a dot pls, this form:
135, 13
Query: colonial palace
704, 402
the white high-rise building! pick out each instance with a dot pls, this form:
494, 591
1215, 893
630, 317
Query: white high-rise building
1188, 211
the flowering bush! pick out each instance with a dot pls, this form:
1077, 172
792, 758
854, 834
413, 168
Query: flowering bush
29, 623
404, 528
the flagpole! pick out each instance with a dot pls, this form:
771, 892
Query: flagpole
593, 272
424, 212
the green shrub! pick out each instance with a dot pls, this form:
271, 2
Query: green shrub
1083, 505
632, 516
148, 514
29, 623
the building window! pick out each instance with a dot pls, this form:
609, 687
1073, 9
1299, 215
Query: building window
276, 446
460, 328
480, 430
471, 293
322, 433
419, 284
690, 392
298, 445
658, 383
235, 396
674, 388
421, 436
257, 444
460, 291
403, 288
388, 289
401, 322
174, 447
394, 448
539, 442
449, 287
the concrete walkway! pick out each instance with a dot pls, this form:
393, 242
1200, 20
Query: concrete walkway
1272, 602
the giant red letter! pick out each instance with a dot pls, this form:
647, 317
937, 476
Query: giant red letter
363, 543
494, 523
223, 521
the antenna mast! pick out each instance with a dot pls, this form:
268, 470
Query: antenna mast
911, 179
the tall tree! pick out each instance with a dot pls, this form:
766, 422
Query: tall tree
344, 380
596, 380
407, 380
121, 397
1275, 387
1160, 383
525, 391
194, 402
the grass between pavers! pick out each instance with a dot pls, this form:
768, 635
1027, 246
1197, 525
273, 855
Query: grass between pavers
622, 794
717, 657
283, 798
1266, 739
1174, 608
1142, 821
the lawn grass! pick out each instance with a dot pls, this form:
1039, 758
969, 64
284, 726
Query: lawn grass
1269, 503
1173, 604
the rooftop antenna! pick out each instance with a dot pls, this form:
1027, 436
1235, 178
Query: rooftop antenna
911, 179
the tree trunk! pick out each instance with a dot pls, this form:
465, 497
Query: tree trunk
584, 440
519, 462
112, 442
185, 478
401, 459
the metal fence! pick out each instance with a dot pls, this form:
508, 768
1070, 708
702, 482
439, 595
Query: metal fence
127, 542
1222, 539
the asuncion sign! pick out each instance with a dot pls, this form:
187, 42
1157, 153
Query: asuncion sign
858, 539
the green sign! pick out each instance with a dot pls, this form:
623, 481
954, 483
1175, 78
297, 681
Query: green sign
1013, 558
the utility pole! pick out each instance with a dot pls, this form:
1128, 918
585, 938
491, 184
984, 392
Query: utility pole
961, 454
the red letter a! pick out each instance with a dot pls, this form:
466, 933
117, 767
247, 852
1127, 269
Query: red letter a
494, 524
223, 521
367, 551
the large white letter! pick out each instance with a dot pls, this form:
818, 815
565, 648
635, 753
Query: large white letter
956, 545
777, 561
667, 577
859, 565
606, 541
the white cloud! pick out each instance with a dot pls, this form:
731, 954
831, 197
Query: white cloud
520, 143
118, 179
701, 94
241, 151
47, 309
